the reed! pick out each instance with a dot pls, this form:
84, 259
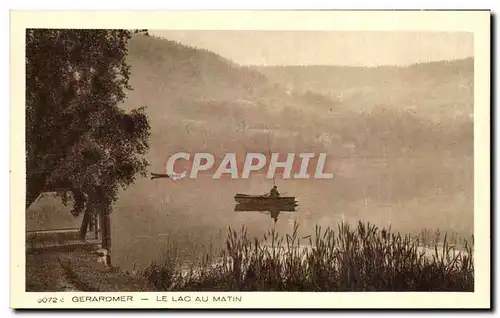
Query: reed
345, 258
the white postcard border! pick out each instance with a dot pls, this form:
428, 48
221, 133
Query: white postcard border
477, 22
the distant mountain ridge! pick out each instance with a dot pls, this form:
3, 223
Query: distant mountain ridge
469, 61
203, 75
198, 100
420, 87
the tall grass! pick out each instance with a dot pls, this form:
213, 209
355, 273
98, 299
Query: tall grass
361, 258
431, 238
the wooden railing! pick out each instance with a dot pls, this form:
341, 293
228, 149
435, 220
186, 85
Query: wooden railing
54, 238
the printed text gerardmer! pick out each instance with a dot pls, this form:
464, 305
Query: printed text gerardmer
94, 299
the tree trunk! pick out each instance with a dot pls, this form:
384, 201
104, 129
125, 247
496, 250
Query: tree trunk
85, 222
107, 234
105, 220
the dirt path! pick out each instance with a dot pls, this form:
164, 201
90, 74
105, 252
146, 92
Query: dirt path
44, 273
76, 271
64, 285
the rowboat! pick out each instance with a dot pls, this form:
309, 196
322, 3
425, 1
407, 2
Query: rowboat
264, 200
245, 207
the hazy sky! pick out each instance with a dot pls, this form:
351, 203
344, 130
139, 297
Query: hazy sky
328, 47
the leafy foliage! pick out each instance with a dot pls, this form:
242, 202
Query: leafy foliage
77, 136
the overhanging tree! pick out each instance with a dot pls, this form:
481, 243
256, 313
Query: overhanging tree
78, 139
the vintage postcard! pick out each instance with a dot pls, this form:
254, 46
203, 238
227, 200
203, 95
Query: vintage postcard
250, 159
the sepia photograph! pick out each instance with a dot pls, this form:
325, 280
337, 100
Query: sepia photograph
246, 160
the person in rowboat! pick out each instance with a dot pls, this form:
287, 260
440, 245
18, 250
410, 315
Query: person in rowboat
274, 192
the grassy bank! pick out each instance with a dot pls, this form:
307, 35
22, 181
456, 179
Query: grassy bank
361, 258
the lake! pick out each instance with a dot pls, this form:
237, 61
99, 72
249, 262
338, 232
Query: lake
191, 216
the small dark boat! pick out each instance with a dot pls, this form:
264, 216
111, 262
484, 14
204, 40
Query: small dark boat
247, 207
158, 175
264, 200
